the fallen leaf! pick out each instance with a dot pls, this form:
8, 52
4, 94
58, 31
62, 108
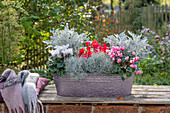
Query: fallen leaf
120, 98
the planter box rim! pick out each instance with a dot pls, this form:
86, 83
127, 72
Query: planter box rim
90, 75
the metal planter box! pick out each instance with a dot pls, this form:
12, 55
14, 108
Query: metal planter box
94, 85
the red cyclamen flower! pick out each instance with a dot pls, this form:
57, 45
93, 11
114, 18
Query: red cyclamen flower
87, 44
81, 51
88, 48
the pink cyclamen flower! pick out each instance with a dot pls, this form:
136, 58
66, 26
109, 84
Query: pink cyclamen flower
111, 56
136, 59
133, 53
138, 72
132, 66
135, 66
113, 48
119, 60
113, 59
120, 55
127, 58
117, 48
107, 51
123, 48
131, 61
112, 51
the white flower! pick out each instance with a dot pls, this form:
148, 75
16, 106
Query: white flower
65, 46
59, 48
54, 53
70, 51
67, 51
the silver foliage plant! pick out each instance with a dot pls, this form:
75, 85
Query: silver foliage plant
134, 43
64, 37
98, 63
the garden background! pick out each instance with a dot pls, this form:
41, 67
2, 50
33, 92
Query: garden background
24, 24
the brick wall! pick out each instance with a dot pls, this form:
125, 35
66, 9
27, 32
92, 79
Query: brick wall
53, 108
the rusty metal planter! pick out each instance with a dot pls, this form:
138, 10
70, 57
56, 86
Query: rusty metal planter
94, 85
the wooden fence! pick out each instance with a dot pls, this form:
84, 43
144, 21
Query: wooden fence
36, 57
152, 17
106, 23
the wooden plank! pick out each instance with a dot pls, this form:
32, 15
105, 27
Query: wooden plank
140, 95
150, 86
43, 94
152, 90
166, 13
140, 92
133, 90
50, 91
159, 9
162, 13
133, 87
130, 100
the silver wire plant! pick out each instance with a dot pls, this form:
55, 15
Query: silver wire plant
98, 63
66, 36
133, 43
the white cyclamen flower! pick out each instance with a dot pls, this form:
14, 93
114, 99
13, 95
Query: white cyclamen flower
65, 46
59, 48
54, 53
67, 51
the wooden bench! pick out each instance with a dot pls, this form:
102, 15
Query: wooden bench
143, 99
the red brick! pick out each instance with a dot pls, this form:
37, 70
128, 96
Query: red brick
116, 109
44, 106
155, 109
3, 108
69, 109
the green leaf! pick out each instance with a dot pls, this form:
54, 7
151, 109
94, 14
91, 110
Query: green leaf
128, 74
34, 17
108, 74
60, 65
26, 25
22, 19
36, 32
